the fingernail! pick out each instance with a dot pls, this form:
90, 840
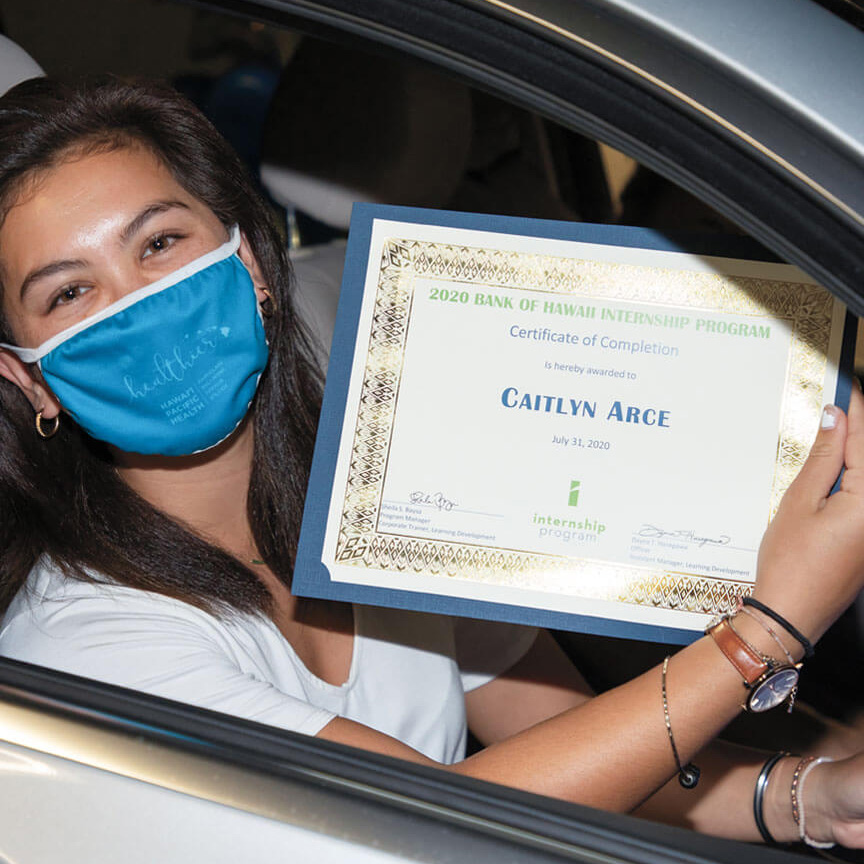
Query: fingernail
829, 417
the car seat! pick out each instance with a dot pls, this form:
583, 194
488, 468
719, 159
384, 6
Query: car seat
16, 65
347, 126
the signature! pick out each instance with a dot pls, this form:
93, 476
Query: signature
682, 534
435, 499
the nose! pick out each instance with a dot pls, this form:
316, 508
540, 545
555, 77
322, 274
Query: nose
121, 279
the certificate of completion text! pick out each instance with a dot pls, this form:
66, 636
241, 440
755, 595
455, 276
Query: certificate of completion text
568, 426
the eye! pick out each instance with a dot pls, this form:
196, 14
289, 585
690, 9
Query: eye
159, 243
68, 294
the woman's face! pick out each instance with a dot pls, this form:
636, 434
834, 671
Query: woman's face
86, 233
92, 230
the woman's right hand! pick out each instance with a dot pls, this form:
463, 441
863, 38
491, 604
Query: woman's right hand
811, 561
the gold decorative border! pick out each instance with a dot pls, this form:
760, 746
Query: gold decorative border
808, 308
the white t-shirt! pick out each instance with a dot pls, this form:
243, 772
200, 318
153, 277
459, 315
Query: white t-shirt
409, 670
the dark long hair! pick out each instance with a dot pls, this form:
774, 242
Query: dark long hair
63, 498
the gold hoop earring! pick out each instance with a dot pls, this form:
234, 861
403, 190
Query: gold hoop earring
272, 307
41, 431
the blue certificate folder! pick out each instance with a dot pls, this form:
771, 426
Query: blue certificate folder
312, 577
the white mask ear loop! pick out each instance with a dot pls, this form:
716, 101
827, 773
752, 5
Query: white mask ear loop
26, 355
226, 250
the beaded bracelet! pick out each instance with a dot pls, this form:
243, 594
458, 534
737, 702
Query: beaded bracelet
802, 770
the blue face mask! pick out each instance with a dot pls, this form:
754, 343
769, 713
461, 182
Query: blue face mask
169, 369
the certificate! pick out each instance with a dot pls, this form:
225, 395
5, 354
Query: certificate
583, 427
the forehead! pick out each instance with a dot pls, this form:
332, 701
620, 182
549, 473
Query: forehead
80, 176
81, 197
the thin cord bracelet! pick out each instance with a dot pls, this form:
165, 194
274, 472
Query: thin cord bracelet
688, 775
745, 611
759, 794
805, 643
803, 769
749, 644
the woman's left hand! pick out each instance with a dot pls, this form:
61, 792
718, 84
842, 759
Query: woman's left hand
833, 799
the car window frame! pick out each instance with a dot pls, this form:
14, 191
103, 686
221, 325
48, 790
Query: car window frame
579, 86
401, 808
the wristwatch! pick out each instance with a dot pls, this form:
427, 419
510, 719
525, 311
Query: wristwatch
768, 682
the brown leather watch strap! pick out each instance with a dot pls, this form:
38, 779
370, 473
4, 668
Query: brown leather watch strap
749, 664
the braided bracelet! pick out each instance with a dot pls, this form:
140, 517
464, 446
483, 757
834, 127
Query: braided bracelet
802, 770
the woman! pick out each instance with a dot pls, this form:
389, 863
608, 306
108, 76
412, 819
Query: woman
152, 488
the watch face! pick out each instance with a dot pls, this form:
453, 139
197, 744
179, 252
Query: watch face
773, 690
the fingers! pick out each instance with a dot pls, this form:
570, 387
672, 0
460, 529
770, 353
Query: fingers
823, 465
854, 456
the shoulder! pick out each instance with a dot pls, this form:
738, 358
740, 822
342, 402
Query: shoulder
156, 644
69, 623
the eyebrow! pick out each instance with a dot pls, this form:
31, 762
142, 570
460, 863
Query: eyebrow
126, 235
49, 270
147, 213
